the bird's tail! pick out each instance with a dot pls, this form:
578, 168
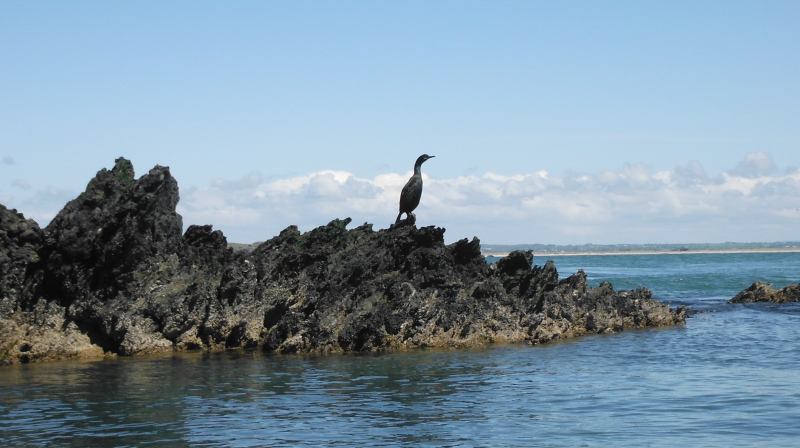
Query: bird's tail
397, 221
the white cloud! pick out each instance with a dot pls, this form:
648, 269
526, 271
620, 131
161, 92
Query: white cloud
755, 164
629, 205
691, 174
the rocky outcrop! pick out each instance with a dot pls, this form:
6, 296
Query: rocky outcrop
20, 241
95, 244
40, 332
763, 292
112, 274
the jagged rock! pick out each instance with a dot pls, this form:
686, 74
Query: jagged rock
516, 262
20, 240
95, 244
31, 331
763, 292
112, 270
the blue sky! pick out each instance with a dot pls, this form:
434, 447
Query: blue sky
551, 122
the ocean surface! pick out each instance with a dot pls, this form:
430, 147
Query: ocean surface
729, 377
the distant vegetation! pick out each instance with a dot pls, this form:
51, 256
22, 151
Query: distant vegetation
570, 248
239, 247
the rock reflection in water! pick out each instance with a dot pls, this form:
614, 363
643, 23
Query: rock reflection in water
730, 377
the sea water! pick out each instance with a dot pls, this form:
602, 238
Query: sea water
729, 377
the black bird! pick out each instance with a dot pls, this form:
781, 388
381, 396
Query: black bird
412, 192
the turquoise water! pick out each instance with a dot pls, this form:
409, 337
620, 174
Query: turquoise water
729, 377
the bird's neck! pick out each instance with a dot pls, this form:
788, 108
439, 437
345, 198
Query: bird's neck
418, 169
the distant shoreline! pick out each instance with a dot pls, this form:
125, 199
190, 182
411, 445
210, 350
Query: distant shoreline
653, 252
500, 254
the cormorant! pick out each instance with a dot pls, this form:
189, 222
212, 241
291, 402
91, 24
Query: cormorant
412, 192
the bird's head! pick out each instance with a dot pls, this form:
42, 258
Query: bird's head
423, 158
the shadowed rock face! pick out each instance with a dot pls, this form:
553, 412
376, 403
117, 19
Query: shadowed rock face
20, 240
31, 330
94, 245
112, 273
763, 292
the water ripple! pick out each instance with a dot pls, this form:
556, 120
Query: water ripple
730, 377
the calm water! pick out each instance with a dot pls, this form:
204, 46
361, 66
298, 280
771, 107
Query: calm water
730, 377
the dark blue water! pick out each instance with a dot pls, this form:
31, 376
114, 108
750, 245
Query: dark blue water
729, 377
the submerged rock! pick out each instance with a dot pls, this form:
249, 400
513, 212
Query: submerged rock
763, 292
113, 274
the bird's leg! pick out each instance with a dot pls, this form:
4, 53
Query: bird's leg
411, 218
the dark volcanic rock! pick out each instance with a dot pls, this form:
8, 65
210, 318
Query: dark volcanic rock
763, 292
101, 242
112, 270
95, 244
20, 239
31, 331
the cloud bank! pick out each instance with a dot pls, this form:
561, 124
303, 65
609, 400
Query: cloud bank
751, 202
